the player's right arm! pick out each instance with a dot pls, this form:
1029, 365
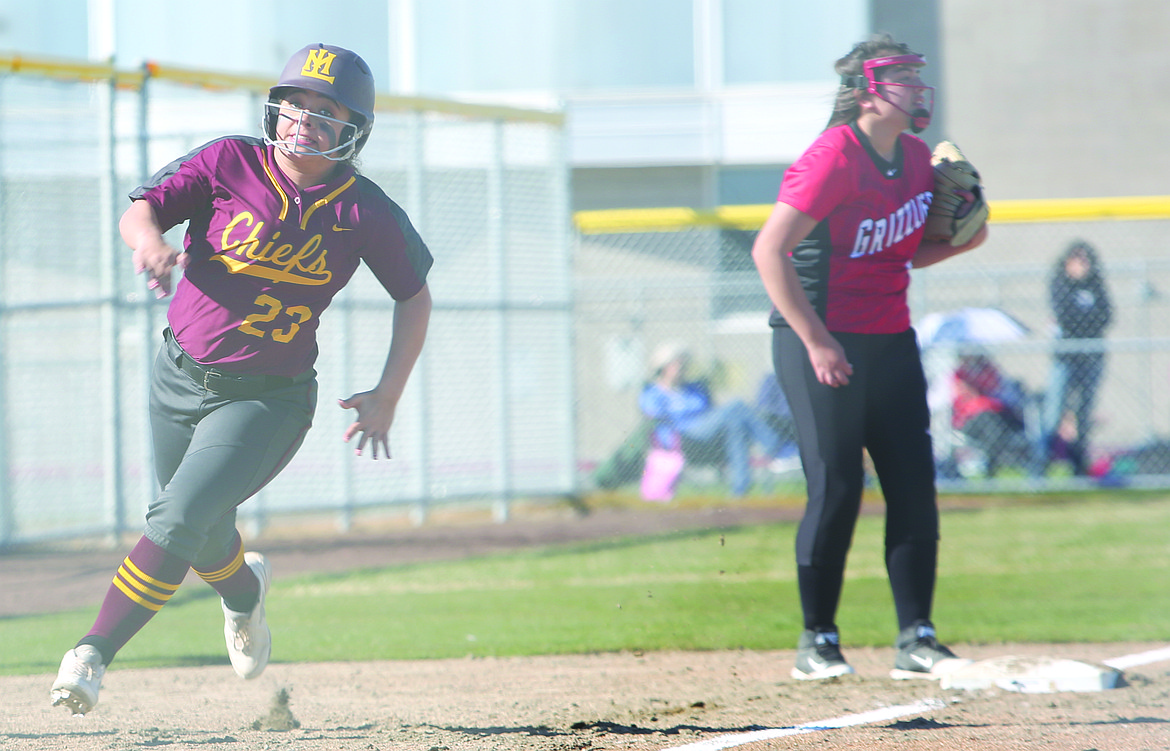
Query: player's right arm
785, 227
141, 231
931, 252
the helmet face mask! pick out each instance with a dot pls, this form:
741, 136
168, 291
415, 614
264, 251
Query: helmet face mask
348, 134
338, 74
919, 116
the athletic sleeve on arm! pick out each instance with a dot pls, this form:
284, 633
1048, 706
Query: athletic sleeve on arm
819, 181
183, 188
397, 255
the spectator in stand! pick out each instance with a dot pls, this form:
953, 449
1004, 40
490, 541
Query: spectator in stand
772, 405
683, 409
1082, 308
988, 409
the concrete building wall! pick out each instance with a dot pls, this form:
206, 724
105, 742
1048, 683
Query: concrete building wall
1059, 98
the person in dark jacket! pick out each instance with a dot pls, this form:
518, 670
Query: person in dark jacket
1082, 308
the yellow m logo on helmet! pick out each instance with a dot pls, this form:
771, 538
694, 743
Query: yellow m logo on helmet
317, 64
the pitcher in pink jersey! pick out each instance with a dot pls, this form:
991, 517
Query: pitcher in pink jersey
835, 257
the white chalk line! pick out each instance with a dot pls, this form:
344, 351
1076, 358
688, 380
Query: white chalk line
878, 715
1141, 658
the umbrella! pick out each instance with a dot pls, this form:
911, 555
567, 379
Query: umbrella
969, 326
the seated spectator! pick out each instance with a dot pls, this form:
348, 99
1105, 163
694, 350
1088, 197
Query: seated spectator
988, 410
683, 410
772, 406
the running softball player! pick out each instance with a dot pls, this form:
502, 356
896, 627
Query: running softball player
276, 227
834, 256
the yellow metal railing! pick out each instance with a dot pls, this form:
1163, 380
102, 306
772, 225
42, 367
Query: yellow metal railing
75, 70
752, 217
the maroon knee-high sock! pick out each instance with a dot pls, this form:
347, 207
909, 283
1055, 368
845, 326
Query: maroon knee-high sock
145, 581
235, 582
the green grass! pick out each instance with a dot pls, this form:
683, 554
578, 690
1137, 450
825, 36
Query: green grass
1061, 571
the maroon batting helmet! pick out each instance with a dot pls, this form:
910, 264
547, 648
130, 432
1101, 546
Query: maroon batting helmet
334, 72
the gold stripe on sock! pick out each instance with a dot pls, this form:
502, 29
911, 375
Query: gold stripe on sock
129, 591
164, 589
224, 573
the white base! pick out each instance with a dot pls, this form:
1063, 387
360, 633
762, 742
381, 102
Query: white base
1032, 675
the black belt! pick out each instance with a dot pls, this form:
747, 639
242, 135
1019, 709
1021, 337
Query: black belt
224, 383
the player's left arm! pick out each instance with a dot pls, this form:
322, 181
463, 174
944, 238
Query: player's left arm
931, 252
375, 408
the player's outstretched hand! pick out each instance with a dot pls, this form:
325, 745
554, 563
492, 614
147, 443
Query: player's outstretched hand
157, 260
374, 419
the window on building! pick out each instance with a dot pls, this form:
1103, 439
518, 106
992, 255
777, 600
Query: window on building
788, 41
470, 45
553, 45
621, 44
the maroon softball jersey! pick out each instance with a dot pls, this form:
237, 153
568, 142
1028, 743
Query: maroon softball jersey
855, 264
266, 257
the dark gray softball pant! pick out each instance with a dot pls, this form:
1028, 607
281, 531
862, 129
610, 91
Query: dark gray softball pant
218, 439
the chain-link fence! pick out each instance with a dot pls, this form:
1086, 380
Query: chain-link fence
1017, 405
538, 349
487, 416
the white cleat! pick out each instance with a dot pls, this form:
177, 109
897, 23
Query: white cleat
249, 642
78, 680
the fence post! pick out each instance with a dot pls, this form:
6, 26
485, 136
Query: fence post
7, 513
1145, 333
566, 238
501, 507
417, 202
146, 321
348, 501
113, 438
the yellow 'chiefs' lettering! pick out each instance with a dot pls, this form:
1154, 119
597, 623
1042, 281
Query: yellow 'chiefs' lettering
875, 235
281, 263
317, 65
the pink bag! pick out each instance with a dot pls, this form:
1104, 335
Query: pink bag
661, 473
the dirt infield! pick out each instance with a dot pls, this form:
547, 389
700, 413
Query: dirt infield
602, 701
608, 701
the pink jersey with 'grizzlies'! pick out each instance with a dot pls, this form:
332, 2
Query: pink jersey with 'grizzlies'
855, 265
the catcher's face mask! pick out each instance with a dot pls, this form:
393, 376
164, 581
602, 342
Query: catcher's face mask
922, 102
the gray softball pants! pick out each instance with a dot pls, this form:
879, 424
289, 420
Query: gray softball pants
217, 442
